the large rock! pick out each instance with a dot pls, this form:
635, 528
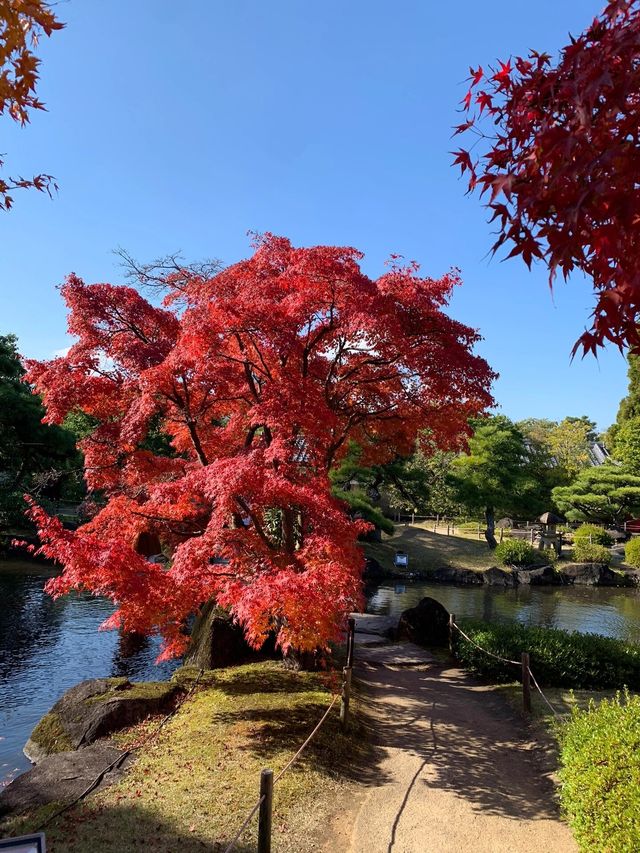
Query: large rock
499, 577
448, 574
61, 778
96, 708
588, 574
543, 575
427, 624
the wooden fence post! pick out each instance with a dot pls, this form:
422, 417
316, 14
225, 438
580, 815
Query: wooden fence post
346, 696
266, 809
452, 620
351, 622
526, 683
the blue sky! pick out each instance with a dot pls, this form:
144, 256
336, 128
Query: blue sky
183, 126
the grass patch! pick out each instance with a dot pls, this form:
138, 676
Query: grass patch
194, 784
429, 551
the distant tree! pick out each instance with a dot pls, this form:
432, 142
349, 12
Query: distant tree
34, 457
22, 24
626, 447
496, 474
359, 487
417, 483
629, 407
556, 151
570, 442
608, 494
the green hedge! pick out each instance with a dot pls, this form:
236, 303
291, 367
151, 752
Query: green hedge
558, 658
600, 775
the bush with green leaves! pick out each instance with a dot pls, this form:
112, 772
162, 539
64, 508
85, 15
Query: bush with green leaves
600, 775
515, 552
593, 534
584, 552
632, 552
558, 658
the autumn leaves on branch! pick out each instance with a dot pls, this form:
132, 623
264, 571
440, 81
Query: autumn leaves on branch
22, 24
556, 151
258, 385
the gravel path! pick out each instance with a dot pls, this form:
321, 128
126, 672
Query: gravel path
457, 770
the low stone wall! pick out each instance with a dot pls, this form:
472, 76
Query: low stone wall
562, 574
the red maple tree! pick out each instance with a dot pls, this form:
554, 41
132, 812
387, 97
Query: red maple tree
559, 155
257, 384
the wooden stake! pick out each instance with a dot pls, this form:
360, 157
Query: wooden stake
452, 619
266, 810
346, 696
526, 683
351, 622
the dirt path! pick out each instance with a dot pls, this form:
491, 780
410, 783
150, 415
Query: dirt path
457, 771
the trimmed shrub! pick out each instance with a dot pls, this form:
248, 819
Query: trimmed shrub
558, 658
593, 534
515, 552
600, 758
583, 552
632, 552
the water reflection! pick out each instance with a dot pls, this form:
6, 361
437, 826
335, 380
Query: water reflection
48, 646
598, 610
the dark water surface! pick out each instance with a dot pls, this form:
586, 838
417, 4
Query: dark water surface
48, 646
597, 610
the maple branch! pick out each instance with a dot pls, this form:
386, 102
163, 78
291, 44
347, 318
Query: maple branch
244, 506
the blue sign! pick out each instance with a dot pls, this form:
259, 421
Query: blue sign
25, 843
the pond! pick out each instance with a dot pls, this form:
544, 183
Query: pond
608, 611
48, 646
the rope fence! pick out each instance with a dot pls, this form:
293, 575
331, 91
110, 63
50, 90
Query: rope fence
267, 779
527, 675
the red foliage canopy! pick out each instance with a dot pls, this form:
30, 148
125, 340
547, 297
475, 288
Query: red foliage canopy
563, 171
259, 383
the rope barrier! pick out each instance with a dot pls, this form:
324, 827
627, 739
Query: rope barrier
515, 663
289, 763
486, 651
549, 705
255, 808
244, 826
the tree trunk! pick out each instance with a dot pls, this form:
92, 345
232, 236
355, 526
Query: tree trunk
490, 532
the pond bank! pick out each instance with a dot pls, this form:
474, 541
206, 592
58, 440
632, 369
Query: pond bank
192, 785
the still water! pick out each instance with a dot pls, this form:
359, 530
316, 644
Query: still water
48, 646
596, 610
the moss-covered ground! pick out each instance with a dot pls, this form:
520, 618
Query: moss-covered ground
429, 551
191, 787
